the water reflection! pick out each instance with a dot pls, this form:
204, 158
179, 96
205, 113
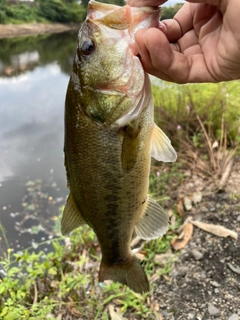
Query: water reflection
33, 81
18, 55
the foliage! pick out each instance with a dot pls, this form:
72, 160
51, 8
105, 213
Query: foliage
38, 285
202, 121
63, 11
17, 13
116, 2
169, 12
177, 108
60, 11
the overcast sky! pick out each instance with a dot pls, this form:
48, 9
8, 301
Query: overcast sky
172, 2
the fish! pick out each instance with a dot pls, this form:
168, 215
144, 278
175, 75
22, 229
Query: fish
110, 137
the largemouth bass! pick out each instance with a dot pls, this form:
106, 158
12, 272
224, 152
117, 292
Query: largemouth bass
110, 137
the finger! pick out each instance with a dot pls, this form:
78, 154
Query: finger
229, 42
145, 3
180, 24
188, 17
221, 4
188, 41
142, 49
161, 61
156, 54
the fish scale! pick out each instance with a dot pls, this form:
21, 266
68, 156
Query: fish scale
110, 136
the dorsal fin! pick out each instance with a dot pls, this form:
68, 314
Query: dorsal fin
161, 148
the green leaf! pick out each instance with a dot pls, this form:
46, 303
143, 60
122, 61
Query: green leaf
2, 288
4, 311
31, 207
52, 271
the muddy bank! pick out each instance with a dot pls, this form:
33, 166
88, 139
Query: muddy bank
11, 30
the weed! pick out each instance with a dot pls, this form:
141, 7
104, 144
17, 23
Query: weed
202, 121
37, 285
3, 232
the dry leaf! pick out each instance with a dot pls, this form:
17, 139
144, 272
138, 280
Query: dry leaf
217, 230
158, 316
233, 268
140, 256
187, 203
155, 307
180, 229
173, 220
180, 209
197, 197
215, 144
135, 241
71, 308
163, 258
180, 242
170, 213
115, 314
192, 199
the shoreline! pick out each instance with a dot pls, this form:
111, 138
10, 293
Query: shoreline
15, 30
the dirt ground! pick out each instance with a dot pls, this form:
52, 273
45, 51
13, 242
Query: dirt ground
12, 30
205, 282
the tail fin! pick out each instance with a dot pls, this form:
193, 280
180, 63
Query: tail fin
130, 274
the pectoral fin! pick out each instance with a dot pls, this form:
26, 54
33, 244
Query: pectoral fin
72, 218
130, 148
161, 148
154, 222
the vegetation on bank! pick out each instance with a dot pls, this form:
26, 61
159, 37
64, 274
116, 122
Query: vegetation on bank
204, 118
199, 119
38, 286
63, 11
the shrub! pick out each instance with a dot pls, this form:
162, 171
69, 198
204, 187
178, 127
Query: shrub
58, 11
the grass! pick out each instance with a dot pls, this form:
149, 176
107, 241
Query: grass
203, 123
38, 285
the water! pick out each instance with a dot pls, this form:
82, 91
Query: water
34, 73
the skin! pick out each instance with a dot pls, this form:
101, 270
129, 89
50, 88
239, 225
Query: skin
200, 44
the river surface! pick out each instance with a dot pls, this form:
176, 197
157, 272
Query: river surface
34, 73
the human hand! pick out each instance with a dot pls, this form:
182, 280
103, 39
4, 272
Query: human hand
200, 44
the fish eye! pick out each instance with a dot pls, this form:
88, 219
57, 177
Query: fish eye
88, 46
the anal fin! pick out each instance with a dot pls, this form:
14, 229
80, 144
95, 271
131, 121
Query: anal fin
72, 218
154, 221
161, 148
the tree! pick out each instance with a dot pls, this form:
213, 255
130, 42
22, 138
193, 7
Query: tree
116, 2
61, 11
169, 12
